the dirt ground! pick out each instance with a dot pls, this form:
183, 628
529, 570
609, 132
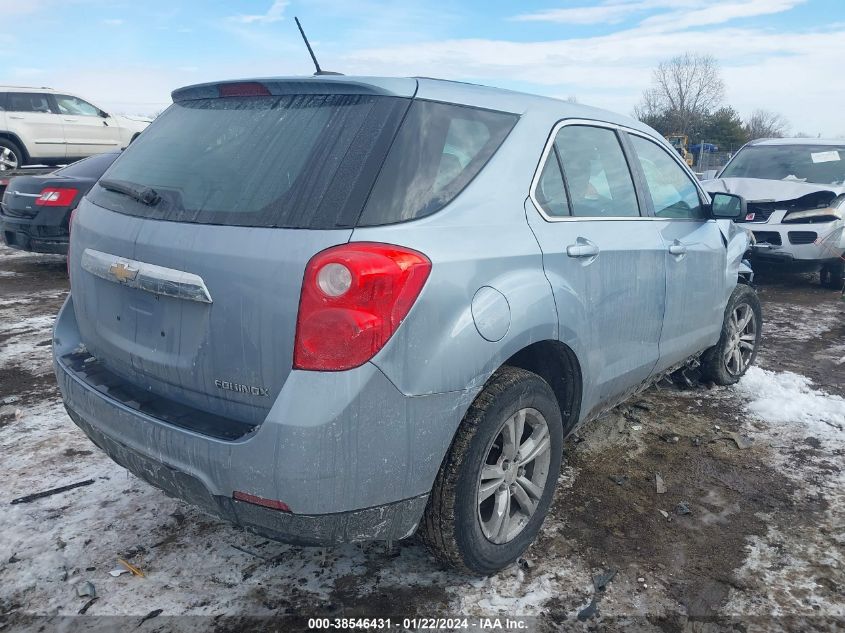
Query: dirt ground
748, 535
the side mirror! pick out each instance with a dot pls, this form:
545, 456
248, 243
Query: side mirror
727, 205
103, 114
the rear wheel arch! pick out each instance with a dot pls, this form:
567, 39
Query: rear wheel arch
557, 364
9, 136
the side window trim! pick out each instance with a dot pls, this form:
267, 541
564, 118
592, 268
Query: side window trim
54, 105
562, 171
640, 184
646, 211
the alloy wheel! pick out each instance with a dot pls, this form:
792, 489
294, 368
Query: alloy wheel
514, 475
742, 328
8, 159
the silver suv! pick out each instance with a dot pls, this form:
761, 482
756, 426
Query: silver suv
335, 309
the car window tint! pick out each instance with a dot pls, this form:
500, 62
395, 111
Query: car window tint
28, 102
596, 172
75, 106
550, 191
673, 193
438, 150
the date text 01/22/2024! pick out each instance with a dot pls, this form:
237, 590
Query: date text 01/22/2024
419, 623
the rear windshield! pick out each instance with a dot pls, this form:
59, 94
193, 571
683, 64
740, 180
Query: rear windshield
92, 167
304, 161
820, 164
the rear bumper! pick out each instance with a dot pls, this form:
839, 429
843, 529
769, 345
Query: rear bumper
387, 522
31, 235
352, 457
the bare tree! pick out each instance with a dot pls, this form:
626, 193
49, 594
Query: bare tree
766, 124
684, 89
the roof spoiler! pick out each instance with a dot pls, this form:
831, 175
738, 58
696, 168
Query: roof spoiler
278, 86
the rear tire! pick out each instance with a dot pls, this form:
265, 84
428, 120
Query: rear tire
727, 361
833, 275
491, 496
11, 156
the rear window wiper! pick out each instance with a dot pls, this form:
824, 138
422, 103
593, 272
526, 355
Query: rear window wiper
141, 193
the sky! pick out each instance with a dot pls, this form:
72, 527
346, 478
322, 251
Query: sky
781, 55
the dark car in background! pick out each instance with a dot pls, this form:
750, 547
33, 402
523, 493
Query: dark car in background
35, 210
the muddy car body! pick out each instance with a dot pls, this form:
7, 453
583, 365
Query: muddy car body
403, 329
795, 192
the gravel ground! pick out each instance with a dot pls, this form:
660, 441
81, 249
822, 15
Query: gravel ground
758, 466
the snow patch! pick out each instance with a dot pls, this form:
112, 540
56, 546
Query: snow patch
788, 398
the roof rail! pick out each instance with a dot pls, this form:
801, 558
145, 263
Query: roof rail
28, 87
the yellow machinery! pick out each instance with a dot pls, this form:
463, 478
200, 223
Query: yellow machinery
680, 142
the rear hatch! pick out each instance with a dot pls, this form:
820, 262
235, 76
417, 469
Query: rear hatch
187, 257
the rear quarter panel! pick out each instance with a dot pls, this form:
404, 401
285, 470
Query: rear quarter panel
480, 239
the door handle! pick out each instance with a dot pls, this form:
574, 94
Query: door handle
72, 120
583, 248
15, 116
677, 249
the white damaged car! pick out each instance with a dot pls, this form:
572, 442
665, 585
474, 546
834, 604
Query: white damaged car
795, 189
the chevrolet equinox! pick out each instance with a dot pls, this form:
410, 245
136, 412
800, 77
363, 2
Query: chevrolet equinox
337, 309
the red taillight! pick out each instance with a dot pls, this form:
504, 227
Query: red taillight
245, 89
69, 230
56, 197
353, 299
261, 501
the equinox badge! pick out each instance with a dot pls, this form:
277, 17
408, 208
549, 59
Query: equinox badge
233, 386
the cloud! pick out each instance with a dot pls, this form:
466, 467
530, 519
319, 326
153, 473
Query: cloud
612, 70
113, 21
27, 71
681, 13
275, 13
16, 7
718, 13
611, 12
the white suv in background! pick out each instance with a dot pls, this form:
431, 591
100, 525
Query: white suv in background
41, 125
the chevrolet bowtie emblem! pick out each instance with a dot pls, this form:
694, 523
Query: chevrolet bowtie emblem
122, 272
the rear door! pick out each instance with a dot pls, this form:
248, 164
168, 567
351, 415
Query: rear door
32, 117
600, 252
86, 131
695, 253
195, 297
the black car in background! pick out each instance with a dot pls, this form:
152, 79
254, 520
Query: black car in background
35, 210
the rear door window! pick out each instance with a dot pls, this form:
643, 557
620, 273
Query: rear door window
597, 174
439, 149
28, 102
293, 161
550, 191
